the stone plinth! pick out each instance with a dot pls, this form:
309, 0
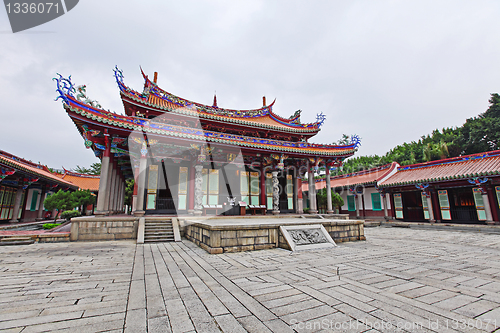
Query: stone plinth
236, 236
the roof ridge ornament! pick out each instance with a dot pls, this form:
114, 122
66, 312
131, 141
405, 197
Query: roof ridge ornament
65, 88
320, 119
119, 78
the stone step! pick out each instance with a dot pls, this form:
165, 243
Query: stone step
158, 235
158, 230
158, 240
159, 225
15, 238
18, 242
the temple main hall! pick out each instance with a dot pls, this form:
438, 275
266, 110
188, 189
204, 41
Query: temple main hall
189, 158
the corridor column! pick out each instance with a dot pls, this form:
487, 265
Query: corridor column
17, 203
384, 204
430, 209
329, 206
141, 182
312, 191
40, 206
112, 190
103, 183
191, 189
487, 207
198, 193
276, 193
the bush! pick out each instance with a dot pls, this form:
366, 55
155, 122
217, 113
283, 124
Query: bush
50, 225
306, 210
70, 214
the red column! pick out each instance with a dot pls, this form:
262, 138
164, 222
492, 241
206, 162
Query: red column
299, 189
435, 205
262, 185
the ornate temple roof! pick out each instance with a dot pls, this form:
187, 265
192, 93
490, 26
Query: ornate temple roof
91, 120
264, 117
83, 181
456, 168
14, 163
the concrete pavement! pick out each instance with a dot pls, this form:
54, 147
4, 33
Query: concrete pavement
399, 280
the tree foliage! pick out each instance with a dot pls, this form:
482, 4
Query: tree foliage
476, 135
65, 200
61, 201
94, 169
129, 191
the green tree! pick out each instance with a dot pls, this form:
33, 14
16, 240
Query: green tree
95, 169
61, 201
129, 191
83, 198
337, 200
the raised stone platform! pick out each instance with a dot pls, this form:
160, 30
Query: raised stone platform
218, 235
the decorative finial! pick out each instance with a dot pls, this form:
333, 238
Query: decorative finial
215, 100
264, 101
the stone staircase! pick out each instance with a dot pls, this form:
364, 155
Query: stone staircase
158, 231
16, 240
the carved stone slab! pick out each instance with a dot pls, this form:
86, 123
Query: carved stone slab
307, 237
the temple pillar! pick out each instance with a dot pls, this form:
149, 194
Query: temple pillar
262, 197
299, 208
124, 189
109, 180
276, 193
430, 208
112, 190
312, 191
141, 186
17, 203
487, 207
435, 206
40, 205
329, 206
357, 200
103, 193
191, 189
384, 204
198, 193
134, 193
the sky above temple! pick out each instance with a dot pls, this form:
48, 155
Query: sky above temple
389, 71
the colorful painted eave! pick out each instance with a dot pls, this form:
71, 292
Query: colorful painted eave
163, 101
40, 173
149, 126
456, 168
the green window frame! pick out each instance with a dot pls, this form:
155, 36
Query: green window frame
351, 203
376, 201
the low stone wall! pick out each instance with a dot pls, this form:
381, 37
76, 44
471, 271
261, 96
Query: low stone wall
235, 238
103, 228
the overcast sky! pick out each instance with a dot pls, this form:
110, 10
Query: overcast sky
389, 71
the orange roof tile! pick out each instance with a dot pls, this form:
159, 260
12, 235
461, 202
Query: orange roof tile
462, 167
84, 182
364, 177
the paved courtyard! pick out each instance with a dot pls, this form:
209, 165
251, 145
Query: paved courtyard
402, 280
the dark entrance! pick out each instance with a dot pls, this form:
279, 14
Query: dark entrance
412, 206
462, 206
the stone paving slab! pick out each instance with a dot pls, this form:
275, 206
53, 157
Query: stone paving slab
399, 280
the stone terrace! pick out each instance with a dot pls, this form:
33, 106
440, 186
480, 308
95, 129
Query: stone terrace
419, 280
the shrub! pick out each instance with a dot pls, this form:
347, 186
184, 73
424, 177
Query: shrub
306, 210
50, 225
70, 214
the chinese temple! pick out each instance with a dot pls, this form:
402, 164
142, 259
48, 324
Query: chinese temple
191, 158
24, 185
